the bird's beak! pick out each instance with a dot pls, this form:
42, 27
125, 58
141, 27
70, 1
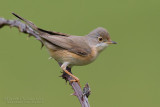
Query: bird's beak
111, 42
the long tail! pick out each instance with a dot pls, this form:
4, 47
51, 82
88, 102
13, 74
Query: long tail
39, 30
32, 26
29, 23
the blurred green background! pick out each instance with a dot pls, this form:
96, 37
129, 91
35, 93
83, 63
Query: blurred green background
124, 75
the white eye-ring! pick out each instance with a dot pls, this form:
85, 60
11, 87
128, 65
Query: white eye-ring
100, 39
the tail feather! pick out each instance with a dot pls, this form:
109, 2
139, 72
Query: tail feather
34, 27
29, 23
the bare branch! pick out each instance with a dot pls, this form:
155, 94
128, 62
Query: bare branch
82, 96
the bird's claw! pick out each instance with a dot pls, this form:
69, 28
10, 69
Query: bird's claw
75, 80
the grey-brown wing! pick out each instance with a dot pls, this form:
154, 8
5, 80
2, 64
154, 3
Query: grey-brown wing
60, 39
72, 44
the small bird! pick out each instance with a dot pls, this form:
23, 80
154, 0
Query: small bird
69, 50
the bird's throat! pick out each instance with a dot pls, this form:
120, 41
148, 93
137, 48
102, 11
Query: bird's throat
100, 47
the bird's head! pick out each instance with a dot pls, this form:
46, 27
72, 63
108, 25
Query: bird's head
100, 39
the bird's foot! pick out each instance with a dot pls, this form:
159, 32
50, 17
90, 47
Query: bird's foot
75, 79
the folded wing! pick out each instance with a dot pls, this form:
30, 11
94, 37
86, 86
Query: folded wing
61, 40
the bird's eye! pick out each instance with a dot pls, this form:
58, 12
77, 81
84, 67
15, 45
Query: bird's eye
100, 39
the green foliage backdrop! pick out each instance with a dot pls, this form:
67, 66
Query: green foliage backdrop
124, 75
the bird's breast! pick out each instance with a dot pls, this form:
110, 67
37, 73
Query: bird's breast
72, 58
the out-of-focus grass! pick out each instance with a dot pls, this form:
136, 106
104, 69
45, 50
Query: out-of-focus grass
124, 75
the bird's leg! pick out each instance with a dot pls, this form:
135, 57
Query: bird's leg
64, 66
